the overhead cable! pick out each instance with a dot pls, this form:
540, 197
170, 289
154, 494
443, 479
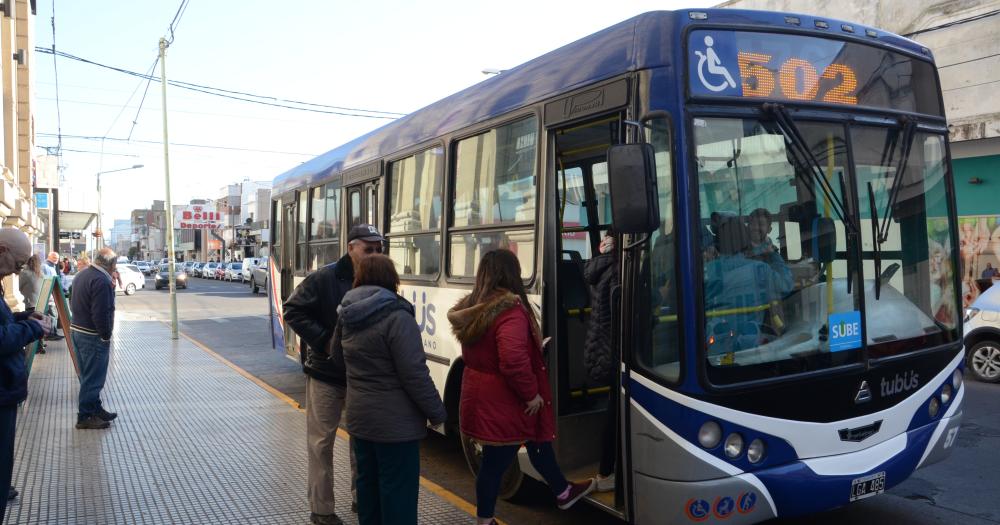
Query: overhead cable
230, 94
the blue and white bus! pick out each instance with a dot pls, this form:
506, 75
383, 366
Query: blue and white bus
787, 315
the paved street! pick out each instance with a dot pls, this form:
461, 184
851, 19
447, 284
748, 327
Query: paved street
231, 321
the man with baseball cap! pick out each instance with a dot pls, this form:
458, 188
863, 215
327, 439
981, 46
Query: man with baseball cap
311, 312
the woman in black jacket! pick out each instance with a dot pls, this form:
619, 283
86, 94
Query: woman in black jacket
390, 395
601, 273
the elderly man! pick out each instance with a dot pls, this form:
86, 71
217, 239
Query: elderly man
93, 306
311, 312
16, 331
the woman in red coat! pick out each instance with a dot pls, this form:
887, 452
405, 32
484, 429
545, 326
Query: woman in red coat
506, 399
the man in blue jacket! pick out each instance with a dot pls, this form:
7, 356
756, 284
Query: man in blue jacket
93, 306
16, 331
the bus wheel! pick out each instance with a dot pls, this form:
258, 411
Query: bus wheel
513, 478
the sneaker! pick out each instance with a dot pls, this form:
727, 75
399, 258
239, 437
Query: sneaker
12, 493
105, 415
577, 490
325, 519
605, 483
92, 422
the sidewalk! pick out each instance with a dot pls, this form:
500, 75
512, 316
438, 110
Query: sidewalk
195, 442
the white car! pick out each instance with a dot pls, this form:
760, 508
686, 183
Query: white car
234, 272
208, 270
982, 336
132, 279
248, 265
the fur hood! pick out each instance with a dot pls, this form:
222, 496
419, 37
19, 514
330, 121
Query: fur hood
471, 322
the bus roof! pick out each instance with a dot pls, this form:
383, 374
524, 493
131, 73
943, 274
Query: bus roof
643, 42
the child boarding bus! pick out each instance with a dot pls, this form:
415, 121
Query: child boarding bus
787, 317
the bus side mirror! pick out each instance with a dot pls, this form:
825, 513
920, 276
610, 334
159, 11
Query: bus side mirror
824, 240
635, 207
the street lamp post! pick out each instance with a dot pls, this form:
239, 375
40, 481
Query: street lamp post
99, 173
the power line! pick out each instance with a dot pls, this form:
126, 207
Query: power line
158, 142
55, 69
955, 23
47, 148
177, 20
135, 121
224, 93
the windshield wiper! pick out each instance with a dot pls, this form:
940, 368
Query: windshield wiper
876, 245
807, 161
908, 134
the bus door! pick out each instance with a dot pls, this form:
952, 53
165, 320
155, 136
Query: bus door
647, 331
288, 242
583, 217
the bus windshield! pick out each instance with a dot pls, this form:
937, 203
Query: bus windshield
782, 290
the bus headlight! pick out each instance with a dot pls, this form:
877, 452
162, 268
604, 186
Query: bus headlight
734, 445
945, 394
710, 434
956, 379
756, 450
934, 407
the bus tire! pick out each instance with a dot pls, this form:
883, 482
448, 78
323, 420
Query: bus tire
513, 479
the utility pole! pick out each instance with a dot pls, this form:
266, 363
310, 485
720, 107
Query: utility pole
171, 277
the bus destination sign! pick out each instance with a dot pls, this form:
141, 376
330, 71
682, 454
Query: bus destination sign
794, 68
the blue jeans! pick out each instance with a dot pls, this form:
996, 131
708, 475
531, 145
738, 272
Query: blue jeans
92, 354
388, 482
495, 461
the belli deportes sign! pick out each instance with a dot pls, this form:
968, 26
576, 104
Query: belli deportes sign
198, 217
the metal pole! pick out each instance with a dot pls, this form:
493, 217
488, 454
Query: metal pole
96, 239
171, 278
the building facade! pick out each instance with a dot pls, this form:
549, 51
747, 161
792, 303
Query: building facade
17, 184
255, 211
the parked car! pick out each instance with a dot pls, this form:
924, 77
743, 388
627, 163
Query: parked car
234, 272
258, 279
144, 267
196, 269
187, 266
162, 279
208, 270
132, 279
982, 336
248, 265
220, 271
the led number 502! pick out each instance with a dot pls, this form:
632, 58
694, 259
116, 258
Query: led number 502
798, 78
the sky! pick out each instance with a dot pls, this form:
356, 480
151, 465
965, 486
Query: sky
388, 56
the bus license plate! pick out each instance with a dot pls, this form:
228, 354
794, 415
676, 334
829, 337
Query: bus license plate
868, 486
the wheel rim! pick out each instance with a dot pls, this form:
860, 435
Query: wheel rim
986, 362
512, 477
130, 289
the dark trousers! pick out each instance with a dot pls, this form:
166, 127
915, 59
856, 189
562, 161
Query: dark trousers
93, 355
609, 436
8, 420
388, 482
495, 462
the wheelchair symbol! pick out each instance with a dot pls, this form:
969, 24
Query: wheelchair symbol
709, 59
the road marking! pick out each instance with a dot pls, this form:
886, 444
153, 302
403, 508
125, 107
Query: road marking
438, 490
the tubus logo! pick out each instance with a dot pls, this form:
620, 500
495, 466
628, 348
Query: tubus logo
897, 385
424, 312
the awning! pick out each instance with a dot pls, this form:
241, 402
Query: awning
75, 220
